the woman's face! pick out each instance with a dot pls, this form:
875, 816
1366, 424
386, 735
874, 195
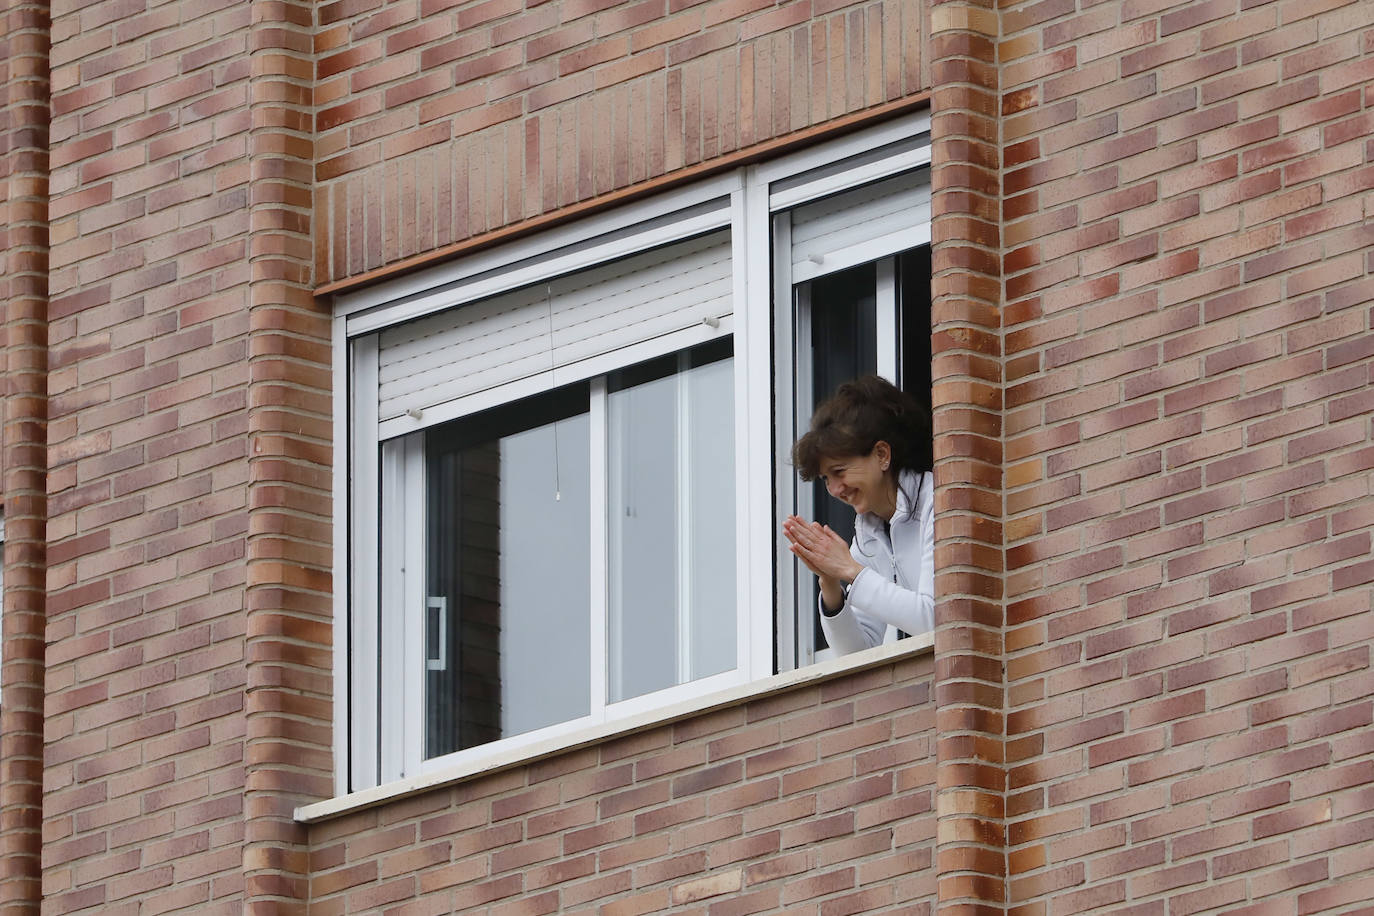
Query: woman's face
862, 481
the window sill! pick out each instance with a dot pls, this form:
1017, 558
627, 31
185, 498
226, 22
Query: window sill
778, 683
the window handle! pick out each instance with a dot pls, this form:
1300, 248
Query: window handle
436, 633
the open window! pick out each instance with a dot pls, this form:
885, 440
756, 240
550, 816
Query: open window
568, 457
852, 294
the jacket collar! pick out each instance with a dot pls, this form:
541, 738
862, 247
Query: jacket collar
867, 525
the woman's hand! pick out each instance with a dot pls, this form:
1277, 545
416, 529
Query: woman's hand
823, 552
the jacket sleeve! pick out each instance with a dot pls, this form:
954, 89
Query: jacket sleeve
874, 602
849, 630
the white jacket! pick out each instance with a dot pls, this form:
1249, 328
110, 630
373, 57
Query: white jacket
897, 584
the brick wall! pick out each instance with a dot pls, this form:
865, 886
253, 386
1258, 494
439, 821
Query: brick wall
1188, 295
172, 516
440, 120
1151, 690
818, 800
147, 458
187, 463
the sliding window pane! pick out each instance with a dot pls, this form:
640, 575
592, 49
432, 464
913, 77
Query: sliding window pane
507, 628
671, 521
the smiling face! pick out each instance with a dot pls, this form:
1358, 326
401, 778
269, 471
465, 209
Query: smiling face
864, 482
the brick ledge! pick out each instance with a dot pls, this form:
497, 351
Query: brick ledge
765, 149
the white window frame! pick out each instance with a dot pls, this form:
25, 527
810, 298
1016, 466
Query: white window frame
752, 201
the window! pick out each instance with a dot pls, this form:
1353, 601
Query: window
568, 457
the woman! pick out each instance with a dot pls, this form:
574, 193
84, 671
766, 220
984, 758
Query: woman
870, 444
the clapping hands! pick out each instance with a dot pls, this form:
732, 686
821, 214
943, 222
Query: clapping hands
820, 549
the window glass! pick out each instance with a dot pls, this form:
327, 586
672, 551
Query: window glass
913, 291
844, 346
671, 522
507, 626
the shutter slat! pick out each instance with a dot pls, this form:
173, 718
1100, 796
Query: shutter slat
861, 225
474, 347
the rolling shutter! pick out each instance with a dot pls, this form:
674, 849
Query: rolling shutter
495, 341
861, 225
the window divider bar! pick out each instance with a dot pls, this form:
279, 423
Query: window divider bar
886, 315
600, 547
414, 612
785, 380
755, 514
686, 604
394, 688
803, 495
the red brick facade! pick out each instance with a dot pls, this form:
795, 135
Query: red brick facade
822, 793
1153, 282
1187, 257
442, 121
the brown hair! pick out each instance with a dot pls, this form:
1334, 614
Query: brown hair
858, 416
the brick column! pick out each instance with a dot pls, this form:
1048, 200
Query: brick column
25, 38
288, 589
967, 375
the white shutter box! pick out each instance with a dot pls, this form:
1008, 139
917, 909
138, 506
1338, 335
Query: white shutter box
492, 342
861, 225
